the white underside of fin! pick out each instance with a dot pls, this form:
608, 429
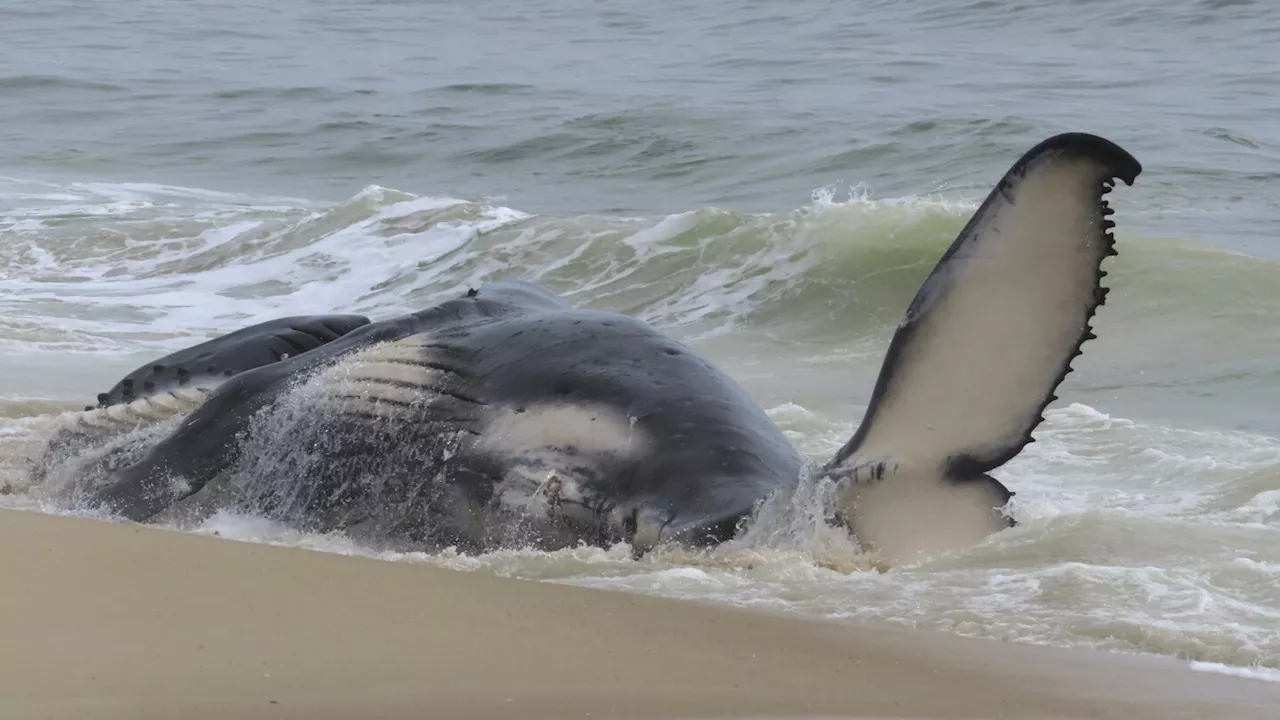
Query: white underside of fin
999, 321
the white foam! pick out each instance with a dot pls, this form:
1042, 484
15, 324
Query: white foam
182, 263
1255, 673
199, 262
249, 528
1263, 507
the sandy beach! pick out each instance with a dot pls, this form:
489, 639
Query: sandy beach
112, 621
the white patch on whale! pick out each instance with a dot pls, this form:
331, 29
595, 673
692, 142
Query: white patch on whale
591, 428
552, 450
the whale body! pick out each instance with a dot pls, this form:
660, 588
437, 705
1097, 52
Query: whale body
507, 416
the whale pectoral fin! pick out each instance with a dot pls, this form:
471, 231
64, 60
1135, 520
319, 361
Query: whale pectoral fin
990, 335
210, 363
138, 492
195, 452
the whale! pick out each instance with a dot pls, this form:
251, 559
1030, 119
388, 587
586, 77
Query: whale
507, 416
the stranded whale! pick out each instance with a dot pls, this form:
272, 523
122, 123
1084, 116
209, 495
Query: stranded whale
508, 416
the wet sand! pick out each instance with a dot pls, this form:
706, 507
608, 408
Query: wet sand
120, 622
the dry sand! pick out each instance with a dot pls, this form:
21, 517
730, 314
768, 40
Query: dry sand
115, 622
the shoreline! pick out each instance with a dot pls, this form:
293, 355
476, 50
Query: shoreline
115, 620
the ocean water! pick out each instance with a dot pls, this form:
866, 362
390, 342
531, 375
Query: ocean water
768, 181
